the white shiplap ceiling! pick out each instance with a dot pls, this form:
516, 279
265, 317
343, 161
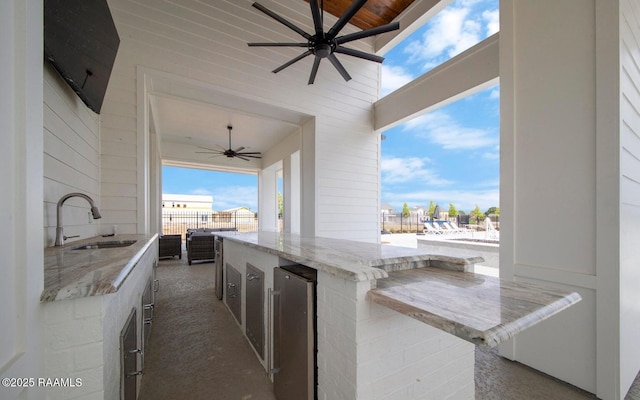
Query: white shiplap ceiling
186, 114
211, 35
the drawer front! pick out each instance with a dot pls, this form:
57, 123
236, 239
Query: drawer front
233, 293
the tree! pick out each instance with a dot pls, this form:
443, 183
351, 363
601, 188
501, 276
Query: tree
432, 207
405, 210
453, 212
476, 213
492, 210
280, 205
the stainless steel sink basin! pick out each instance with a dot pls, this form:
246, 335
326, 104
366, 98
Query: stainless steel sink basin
105, 245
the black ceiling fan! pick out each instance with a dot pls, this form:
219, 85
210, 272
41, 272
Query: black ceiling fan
231, 153
324, 44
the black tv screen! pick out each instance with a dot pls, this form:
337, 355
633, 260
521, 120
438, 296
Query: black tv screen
81, 42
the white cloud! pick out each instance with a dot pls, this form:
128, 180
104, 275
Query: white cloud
441, 129
495, 93
393, 77
407, 169
492, 155
492, 20
452, 31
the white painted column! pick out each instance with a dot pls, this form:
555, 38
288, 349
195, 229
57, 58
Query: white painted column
560, 181
291, 195
21, 206
308, 179
267, 198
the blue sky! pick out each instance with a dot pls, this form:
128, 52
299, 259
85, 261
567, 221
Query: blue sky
229, 190
449, 155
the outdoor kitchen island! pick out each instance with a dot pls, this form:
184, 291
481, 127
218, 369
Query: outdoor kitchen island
393, 322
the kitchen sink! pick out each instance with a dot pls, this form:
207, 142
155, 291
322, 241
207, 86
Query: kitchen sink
105, 245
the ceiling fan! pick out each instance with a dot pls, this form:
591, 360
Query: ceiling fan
231, 153
324, 44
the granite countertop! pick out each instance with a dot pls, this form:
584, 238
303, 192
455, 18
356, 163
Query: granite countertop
481, 309
70, 273
438, 290
351, 260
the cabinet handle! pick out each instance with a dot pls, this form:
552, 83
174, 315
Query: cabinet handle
149, 306
232, 295
252, 277
135, 373
156, 285
148, 321
273, 301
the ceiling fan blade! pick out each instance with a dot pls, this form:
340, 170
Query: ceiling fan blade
278, 44
295, 60
242, 158
206, 148
314, 70
368, 32
359, 54
317, 17
238, 149
281, 20
346, 17
247, 153
336, 63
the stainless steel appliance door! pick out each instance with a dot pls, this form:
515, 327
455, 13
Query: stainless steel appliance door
293, 337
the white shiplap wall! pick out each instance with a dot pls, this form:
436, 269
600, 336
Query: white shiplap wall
629, 192
71, 158
547, 176
207, 42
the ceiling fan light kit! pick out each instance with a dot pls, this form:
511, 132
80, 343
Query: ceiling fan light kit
230, 152
325, 44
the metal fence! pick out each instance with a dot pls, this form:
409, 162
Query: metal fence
177, 223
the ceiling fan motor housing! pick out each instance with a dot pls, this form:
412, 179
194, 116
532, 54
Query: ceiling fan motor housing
323, 49
324, 44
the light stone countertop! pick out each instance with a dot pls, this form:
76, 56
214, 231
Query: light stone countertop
70, 273
437, 290
481, 309
351, 260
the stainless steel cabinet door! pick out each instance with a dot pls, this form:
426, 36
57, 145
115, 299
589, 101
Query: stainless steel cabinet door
129, 352
293, 337
255, 308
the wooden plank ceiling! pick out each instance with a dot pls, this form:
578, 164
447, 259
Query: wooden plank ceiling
374, 13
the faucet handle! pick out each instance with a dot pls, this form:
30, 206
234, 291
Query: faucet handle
69, 237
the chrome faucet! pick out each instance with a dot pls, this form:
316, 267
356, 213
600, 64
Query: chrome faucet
60, 237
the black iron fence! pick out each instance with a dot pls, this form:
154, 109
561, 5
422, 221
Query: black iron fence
177, 223
397, 223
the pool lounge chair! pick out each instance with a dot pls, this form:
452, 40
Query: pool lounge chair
428, 228
451, 228
455, 226
439, 228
